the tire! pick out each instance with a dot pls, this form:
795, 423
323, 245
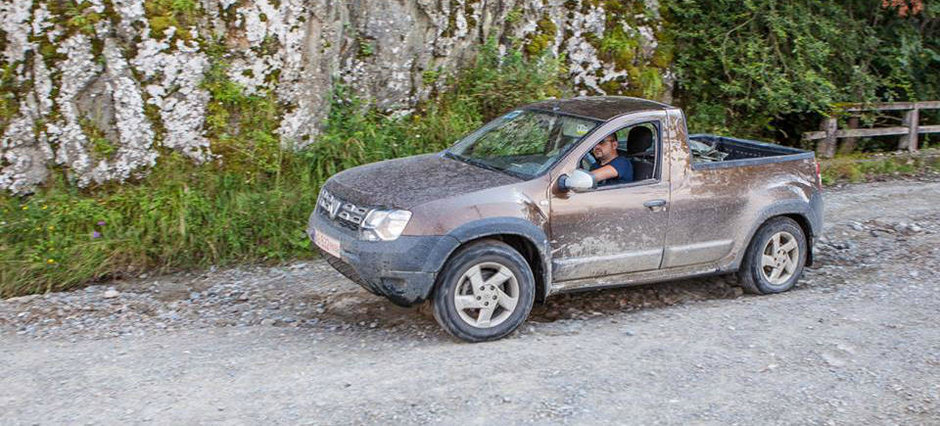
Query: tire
773, 267
490, 313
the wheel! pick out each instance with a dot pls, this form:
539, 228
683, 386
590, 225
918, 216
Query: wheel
774, 260
485, 291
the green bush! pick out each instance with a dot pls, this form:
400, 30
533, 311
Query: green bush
768, 69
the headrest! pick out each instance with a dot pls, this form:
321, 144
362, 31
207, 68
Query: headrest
639, 140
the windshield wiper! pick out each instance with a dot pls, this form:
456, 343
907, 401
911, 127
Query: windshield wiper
480, 164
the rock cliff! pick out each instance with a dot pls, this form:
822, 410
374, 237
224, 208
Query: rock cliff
102, 88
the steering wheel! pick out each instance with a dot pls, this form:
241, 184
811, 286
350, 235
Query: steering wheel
588, 161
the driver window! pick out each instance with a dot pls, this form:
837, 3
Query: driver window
635, 144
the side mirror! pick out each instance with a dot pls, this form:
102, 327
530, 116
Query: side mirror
579, 181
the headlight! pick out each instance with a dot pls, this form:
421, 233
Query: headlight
384, 225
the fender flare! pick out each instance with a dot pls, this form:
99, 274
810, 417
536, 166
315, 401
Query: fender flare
509, 226
811, 212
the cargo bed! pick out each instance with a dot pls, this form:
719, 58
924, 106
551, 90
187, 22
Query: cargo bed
712, 151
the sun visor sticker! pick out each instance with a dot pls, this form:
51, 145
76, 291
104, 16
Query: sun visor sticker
574, 129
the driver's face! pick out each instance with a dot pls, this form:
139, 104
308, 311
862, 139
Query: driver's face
605, 148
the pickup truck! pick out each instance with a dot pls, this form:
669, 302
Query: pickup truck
511, 214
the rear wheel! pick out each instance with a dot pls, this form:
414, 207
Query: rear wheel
775, 258
485, 292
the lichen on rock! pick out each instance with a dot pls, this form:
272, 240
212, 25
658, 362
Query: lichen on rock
25, 151
173, 82
77, 72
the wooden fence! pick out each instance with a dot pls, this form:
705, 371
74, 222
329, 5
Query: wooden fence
908, 131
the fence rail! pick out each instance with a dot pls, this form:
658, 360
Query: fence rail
909, 130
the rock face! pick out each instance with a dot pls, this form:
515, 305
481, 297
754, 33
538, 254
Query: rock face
101, 89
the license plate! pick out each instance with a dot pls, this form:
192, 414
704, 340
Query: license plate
327, 243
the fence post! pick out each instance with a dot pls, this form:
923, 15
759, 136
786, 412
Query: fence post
848, 144
827, 147
909, 141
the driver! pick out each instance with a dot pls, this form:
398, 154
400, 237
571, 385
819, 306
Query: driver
610, 168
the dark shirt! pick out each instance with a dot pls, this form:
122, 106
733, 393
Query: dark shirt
624, 171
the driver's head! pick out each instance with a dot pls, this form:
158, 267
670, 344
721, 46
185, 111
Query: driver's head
606, 148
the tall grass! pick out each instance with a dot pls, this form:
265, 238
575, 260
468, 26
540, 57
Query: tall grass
864, 167
252, 204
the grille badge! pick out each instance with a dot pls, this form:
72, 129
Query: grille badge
334, 207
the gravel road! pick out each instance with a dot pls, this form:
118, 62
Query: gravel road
857, 342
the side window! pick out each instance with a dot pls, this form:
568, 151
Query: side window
637, 143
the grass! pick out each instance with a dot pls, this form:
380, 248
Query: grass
252, 204
865, 167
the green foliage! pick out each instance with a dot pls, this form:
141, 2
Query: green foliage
79, 16
9, 91
179, 14
495, 84
623, 45
252, 204
181, 216
514, 16
539, 41
101, 147
651, 83
366, 48
618, 47
429, 77
241, 126
860, 167
769, 68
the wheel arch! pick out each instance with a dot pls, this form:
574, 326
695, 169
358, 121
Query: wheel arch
807, 232
528, 239
807, 215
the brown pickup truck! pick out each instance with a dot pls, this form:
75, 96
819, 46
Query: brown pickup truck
513, 213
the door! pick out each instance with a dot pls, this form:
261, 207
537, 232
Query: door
608, 231
618, 229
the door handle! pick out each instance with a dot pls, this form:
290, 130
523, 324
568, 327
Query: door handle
653, 204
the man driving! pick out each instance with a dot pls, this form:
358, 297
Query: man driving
610, 168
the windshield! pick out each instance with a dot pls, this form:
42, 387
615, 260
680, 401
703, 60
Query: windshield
523, 142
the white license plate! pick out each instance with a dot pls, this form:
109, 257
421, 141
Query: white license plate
326, 243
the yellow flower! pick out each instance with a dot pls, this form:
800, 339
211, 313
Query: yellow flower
45, 207
25, 207
51, 228
50, 261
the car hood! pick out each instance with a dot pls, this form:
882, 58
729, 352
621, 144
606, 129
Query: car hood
407, 182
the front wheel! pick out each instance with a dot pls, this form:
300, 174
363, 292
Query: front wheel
775, 258
485, 292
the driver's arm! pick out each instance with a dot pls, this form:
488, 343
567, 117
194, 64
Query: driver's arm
604, 173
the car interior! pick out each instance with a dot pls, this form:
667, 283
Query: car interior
640, 150
635, 143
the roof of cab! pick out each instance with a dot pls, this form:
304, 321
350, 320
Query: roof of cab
598, 107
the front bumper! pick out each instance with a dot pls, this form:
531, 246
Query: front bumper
403, 270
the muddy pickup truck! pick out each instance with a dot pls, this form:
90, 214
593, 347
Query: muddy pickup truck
513, 213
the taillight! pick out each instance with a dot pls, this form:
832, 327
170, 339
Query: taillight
818, 175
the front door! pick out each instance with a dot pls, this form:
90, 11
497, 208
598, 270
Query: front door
608, 231
616, 229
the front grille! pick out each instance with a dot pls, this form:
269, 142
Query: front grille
340, 212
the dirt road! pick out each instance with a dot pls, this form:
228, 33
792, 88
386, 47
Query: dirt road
858, 342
